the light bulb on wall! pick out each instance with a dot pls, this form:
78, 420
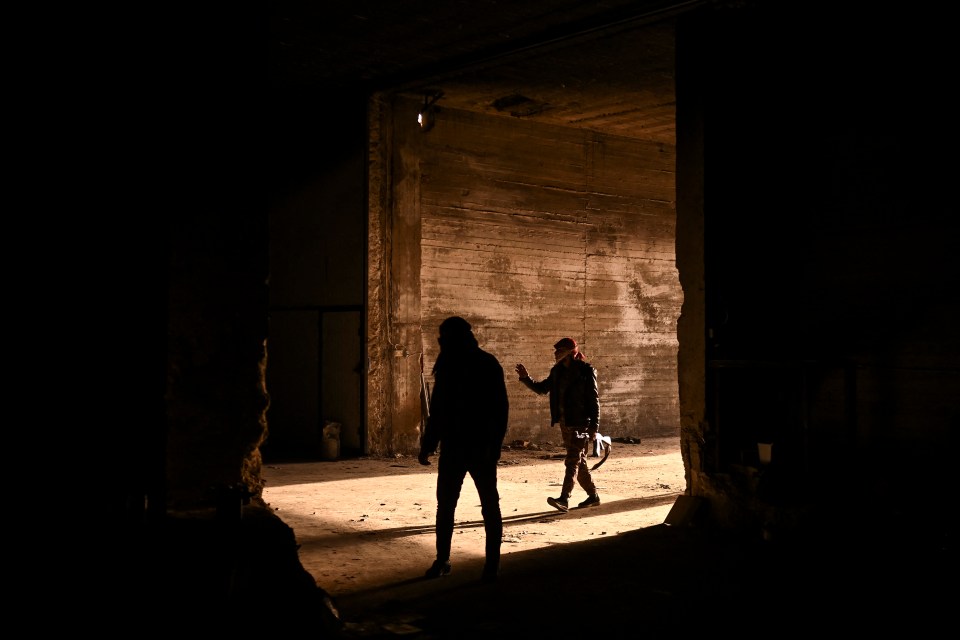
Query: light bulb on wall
426, 118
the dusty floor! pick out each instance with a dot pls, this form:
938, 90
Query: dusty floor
362, 531
617, 571
368, 522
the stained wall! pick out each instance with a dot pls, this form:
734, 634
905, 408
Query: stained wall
531, 233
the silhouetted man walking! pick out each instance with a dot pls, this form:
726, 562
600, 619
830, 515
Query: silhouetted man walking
468, 421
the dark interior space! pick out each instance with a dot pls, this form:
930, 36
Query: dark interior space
815, 233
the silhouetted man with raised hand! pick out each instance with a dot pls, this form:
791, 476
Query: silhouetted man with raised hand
468, 421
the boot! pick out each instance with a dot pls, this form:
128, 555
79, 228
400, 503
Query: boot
592, 501
437, 569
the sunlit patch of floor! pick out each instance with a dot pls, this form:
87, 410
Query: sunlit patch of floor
363, 524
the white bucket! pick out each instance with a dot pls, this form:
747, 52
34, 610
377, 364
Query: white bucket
765, 451
331, 448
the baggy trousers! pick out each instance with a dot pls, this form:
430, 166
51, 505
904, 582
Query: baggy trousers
451, 471
575, 462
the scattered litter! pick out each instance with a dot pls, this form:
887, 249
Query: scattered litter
521, 444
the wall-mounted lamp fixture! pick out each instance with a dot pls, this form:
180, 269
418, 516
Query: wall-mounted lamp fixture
428, 111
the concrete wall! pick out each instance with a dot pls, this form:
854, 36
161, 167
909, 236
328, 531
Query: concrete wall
531, 233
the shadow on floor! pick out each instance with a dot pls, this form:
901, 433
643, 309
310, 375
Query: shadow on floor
857, 572
860, 574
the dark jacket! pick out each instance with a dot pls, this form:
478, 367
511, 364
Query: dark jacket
468, 407
576, 387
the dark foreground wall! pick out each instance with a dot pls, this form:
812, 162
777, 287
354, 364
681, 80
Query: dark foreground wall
829, 220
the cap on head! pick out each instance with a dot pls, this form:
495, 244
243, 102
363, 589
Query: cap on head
567, 347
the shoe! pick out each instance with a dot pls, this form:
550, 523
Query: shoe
559, 503
592, 501
490, 573
437, 569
